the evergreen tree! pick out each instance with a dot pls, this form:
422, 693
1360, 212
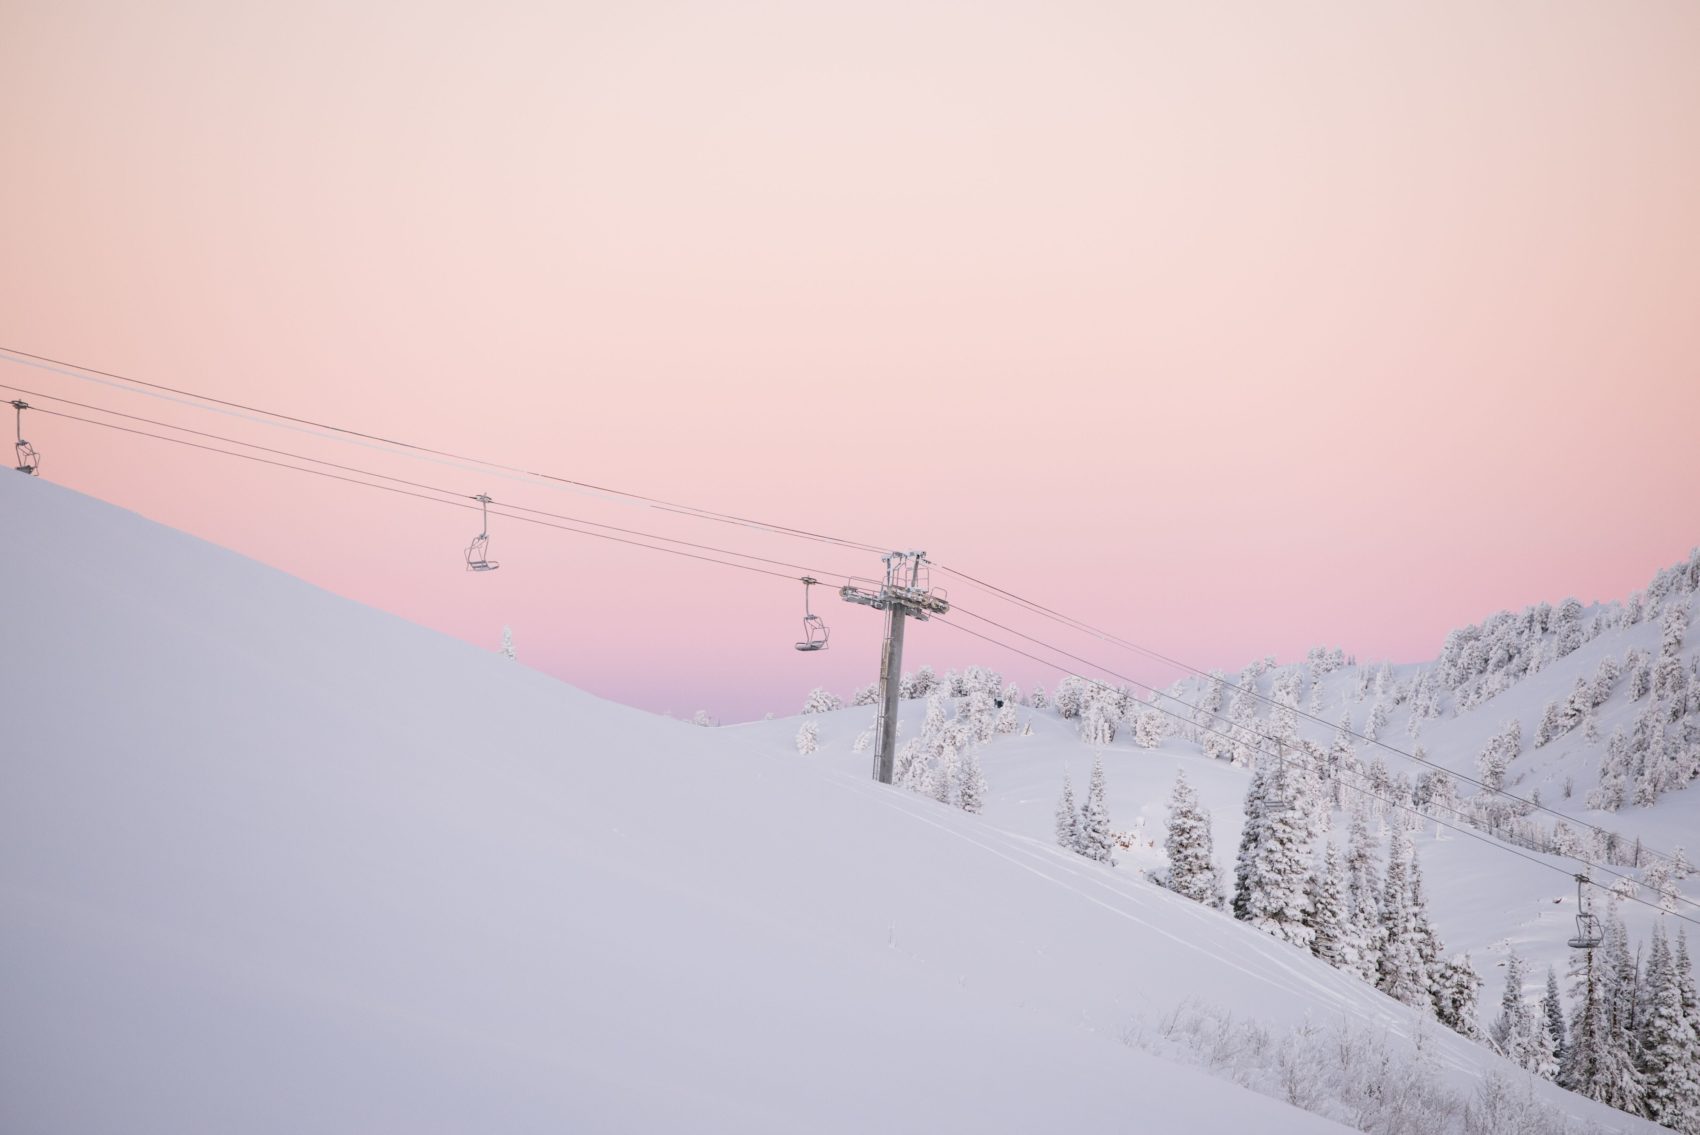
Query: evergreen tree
1361, 943
1097, 725
1670, 1045
1601, 1061
1455, 987
1326, 910
1620, 1080
1148, 729
808, 738
1552, 1020
1068, 819
1584, 1054
508, 645
1095, 841
1520, 1032
1342, 759
1402, 973
1273, 866
971, 791
947, 758
822, 701
1427, 942
1512, 1029
1251, 833
1192, 865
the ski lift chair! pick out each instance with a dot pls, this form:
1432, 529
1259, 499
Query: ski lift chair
815, 630
1588, 931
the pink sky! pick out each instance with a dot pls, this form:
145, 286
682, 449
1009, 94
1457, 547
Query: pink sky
1234, 327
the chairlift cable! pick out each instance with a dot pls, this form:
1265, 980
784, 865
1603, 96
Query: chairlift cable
416, 484
458, 503
83, 373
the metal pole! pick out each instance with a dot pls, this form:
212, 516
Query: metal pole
891, 676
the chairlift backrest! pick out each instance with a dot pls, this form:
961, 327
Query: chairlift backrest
815, 633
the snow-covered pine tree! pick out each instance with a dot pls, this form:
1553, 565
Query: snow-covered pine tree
1007, 720
808, 738
913, 765
1402, 974
1552, 1022
866, 695
1456, 985
1097, 725
1584, 1058
1428, 943
1038, 700
1326, 909
971, 787
1600, 1062
1342, 762
1377, 720
1242, 732
1568, 627
1071, 696
1513, 1032
508, 645
1068, 817
1502, 748
917, 685
1095, 841
932, 724
1192, 865
947, 761
1274, 859
1255, 809
1620, 1081
1549, 726
1361, 943
1670, 1045
1147, 728
822, 701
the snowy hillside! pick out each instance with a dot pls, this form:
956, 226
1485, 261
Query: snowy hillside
271, 861
1540, 743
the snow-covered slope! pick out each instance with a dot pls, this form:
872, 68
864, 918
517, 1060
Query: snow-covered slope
271, 861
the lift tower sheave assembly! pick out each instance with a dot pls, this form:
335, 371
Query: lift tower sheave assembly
905, 593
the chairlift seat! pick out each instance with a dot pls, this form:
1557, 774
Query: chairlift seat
1588, 933
815, 633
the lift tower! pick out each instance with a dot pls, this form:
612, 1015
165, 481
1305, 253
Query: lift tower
905, 593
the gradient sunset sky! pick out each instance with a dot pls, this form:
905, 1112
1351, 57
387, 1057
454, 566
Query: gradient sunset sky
1234, 327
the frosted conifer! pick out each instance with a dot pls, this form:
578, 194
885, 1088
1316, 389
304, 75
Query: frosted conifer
1068, 818
1514, 1031
1670, 1044
971, 787
822, 701
1552, 1022
1095, 841
1401, 972
1326, 913
1192, 867
1272, 868
1455, 987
